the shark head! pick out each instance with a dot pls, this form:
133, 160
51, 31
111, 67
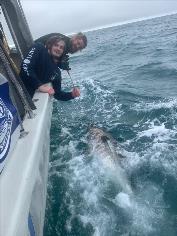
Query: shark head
97, 134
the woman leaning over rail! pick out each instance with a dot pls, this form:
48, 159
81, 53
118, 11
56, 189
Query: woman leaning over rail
41, 66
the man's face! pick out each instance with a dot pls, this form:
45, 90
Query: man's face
77, 44
57, 49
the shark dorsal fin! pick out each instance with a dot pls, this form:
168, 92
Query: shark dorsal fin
104, 138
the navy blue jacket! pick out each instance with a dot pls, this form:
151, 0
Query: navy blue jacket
39, 68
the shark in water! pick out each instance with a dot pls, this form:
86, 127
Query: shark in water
107, 149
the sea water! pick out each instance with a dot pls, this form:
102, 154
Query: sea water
128, 81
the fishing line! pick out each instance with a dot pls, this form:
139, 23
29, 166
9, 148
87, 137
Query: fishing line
71, 79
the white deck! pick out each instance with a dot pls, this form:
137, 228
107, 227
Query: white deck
24, 178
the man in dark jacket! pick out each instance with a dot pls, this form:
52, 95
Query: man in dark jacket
73, 44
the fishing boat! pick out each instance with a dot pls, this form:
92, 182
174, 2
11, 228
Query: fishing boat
24, 134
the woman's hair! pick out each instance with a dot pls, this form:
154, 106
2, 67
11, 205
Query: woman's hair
53, 40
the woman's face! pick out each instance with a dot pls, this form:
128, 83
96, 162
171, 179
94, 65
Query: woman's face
57, 49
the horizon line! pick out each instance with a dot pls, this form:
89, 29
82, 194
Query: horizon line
125, 22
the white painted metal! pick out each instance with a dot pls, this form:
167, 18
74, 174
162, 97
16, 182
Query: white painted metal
24, 178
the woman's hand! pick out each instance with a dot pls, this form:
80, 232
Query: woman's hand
75, 92
46, 89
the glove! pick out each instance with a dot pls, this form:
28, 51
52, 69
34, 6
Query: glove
64, 63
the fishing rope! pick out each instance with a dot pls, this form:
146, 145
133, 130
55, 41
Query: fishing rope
15, 82
71, 79
7, 49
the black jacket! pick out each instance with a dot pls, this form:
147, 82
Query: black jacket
39, 68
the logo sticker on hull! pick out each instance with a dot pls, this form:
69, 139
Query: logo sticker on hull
6, 120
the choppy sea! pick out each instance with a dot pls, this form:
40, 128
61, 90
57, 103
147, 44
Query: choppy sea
128, 81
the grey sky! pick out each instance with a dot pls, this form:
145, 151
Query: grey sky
66, 16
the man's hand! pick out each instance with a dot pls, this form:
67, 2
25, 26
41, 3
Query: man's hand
64, 63
75, 92
46, 89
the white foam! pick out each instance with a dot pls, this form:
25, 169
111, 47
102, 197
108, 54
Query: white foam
89, 180
159, 132
169, 104
123, 200
65, 131
148, 208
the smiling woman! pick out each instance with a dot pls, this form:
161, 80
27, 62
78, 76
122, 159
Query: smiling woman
41, 66
56, 47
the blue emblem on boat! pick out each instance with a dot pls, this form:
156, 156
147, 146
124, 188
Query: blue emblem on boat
6, 120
